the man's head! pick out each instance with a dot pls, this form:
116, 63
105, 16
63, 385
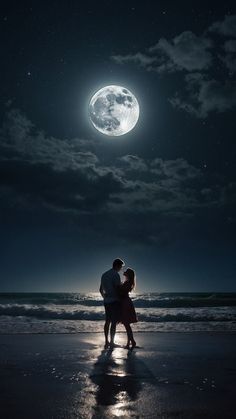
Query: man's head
117, 264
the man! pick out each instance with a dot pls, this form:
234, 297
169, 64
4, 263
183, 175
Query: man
110, 282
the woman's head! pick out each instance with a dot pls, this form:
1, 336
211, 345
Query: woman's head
130, 277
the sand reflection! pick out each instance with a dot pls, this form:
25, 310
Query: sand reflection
118, 382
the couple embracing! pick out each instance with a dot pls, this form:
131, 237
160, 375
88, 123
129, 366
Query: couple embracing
118, 305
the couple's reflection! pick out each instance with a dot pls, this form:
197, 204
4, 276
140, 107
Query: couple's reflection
117, 379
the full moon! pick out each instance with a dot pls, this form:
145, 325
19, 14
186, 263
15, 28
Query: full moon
114, 110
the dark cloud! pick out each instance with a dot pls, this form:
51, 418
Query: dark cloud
205, 66
19, 136
205, 96
230, 46
133, 163
184, 52
52, 172
141, 59
226, 27
39, 173
39, 185
230, 55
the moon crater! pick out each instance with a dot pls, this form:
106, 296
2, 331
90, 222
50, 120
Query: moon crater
114, 110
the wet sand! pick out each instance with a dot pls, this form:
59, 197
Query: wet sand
170, 375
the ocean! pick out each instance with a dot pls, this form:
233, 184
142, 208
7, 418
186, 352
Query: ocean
81, 312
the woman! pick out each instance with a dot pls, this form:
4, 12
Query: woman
128, 314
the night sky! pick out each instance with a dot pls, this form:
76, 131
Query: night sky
161, 197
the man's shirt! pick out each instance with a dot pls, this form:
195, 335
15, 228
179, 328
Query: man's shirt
109, 283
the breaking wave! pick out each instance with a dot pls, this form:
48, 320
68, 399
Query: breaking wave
75, 312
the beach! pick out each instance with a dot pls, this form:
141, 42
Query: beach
169, 375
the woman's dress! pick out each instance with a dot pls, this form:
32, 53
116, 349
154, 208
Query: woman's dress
128, 314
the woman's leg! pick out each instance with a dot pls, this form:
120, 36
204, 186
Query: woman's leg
126, 328
130, 336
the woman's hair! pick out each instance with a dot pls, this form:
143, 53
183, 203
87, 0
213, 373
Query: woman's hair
131, 278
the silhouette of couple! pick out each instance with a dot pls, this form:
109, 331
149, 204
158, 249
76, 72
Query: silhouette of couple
118, 305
